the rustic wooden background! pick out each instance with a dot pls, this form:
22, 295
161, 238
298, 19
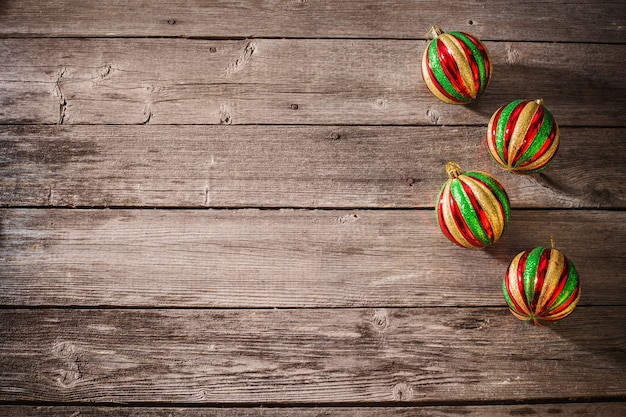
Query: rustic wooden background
226, 208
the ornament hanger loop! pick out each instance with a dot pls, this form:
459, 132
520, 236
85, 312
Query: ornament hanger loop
453, 169
434, 31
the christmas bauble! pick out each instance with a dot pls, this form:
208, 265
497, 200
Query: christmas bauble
472, 208
456, 66
522, 136
541, 286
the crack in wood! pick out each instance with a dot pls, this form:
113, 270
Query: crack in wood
242, 61
59, 93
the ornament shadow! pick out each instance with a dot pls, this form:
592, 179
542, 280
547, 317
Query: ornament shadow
568, 94
599, 334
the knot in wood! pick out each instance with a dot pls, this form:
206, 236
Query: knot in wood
402, 392
433, 116
64, 350
380, 319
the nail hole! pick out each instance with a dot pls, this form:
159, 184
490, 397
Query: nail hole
471, 22
171, 22
212, 49
294, 107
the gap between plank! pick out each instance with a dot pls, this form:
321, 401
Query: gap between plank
375, 404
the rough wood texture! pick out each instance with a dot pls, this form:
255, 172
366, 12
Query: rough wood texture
287, 258
306, 356
155, 297
278, 81
601, 409
282, 166
596, 21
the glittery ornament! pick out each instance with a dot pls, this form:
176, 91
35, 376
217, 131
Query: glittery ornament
472, 208
541, 286
456, 66
522, 136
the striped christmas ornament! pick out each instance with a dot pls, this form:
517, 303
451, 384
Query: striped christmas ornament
472, 208
522, 136
456, 66
541, 286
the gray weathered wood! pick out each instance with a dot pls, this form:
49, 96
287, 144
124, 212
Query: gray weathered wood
601, 409
278, 81
287, 166
306, 356
596, 21
286, 258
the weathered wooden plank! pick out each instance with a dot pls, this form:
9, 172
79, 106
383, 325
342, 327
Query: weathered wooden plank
287, 166
308, 356
281, 81
286, 258
597, 21
601, 409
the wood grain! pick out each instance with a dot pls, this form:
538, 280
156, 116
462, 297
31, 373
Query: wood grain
287, 166
601, 409
597, 21
283, 81
286, 258
306, 356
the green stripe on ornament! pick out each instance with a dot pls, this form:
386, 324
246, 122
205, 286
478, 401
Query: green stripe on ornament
530, 273
478, 57
501, 128
540, 139
439, 73
568, 290
496, 189
507, 297
467, 211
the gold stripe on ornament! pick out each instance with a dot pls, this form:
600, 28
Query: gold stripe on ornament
520, 130
556, 263
516, 293
548, 154
489, 204
465, 71
567, 311
523, 317
449, 218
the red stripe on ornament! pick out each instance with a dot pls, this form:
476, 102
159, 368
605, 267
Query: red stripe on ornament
442, 222
540, 276
558, 288
566, 304
451, 69
489, 187
549, 141
460, 224
509, 289
473, 65
483, 53
493, 138
510, 127
521, 266
533, 128
439, 87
